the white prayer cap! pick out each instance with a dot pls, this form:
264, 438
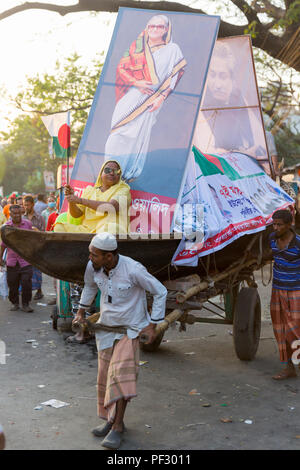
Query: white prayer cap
104, 241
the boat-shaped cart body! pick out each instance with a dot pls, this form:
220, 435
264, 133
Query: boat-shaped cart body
191, 290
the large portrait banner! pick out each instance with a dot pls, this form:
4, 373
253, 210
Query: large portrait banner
230, 119
145, 107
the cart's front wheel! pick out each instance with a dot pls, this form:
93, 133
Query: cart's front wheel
247, 323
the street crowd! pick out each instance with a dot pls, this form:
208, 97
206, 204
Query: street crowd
30, 212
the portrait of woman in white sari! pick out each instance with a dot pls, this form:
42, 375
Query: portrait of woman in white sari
146, 75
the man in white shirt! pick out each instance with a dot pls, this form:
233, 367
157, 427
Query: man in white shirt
123, 283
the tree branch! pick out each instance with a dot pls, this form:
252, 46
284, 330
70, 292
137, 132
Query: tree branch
263, 39
246, 9
268, 8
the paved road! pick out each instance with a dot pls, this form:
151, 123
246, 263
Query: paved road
187, 390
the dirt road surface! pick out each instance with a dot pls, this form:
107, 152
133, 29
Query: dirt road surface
193, 393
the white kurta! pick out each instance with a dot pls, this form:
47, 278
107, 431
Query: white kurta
123, 298
129, 143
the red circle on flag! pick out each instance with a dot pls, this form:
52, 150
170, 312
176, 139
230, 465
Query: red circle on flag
64, 136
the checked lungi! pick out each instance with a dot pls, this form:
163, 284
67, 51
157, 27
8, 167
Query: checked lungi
285, 314
118, 368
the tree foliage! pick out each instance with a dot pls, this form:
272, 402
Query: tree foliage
280, 86
71, 87
280, 97
287, 143
24, 155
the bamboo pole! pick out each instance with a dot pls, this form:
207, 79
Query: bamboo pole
91, 325
182, 297
233, 269
164, 325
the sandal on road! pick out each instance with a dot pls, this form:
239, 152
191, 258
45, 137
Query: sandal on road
74, 340
285, 374
38, 296
113, 440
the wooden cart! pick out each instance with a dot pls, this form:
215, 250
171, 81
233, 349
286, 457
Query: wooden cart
190, 289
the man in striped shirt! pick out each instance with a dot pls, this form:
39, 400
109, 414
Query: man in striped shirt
285, 300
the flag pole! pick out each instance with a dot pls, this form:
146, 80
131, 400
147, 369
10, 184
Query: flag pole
68, 149
68, 160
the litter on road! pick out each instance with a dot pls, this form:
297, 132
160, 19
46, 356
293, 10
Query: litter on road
55, 403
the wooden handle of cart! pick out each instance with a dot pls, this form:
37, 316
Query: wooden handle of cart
164, 325
91, 325
82, 325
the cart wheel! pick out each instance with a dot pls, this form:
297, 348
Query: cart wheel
152, 347
54, 317
247, 323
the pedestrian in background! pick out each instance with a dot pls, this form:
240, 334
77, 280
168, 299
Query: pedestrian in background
40, 204
38, 223
11, 200
19, 201
19, 271
51, 207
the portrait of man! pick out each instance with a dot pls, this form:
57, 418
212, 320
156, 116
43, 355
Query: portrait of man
146, 75
230, 132
230, 118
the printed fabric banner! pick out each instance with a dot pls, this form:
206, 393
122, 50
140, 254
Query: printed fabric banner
225, 197
145, 108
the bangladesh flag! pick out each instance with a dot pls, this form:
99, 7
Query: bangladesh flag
58, 126
214, 165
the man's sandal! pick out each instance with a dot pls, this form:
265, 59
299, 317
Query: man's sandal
285, 374
102, 430
38, 296
113, 440
74, 340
